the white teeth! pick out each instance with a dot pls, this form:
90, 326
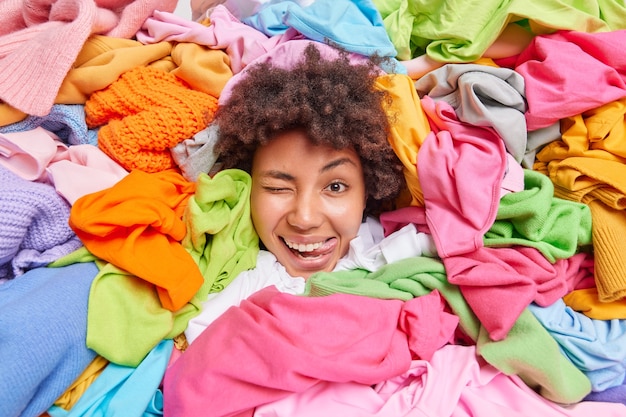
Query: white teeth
301, 247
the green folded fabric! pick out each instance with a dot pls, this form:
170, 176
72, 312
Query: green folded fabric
534, 217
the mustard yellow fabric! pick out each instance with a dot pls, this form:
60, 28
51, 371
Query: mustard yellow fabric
587, 302
103, 59
588, 165
73, 393
409, 127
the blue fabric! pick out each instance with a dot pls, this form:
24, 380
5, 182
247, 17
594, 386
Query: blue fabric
270, 18
610, 395
123, 391
67, 121
355, 26
596, 347
43, 327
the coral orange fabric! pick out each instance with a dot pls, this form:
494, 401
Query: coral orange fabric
137, 226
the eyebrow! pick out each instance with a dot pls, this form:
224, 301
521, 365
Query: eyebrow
288, 177
336, 163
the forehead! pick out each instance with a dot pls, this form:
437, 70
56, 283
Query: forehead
293, 150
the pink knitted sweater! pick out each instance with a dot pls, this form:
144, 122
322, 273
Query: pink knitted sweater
40, 40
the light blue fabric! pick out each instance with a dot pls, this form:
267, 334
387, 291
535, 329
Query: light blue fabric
123, 391
43, 327
67, 121
270, 18
355, 26
596, 347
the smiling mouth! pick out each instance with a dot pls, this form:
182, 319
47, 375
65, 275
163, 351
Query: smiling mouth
308, 250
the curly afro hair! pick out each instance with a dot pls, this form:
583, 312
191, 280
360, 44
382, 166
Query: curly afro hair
333, 101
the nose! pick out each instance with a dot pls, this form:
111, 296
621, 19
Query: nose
305, 212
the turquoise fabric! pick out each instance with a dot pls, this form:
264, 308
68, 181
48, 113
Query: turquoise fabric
355, 26
121, 391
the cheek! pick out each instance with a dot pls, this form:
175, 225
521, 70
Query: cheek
348, 217
265, 213
258, 211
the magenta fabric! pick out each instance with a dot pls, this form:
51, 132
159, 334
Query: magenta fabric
276, 344
394, 220
427, 325
499, 283
460, 167
567, 73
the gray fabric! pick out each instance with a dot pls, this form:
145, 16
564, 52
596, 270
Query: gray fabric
484, 96
537, 139
196, 155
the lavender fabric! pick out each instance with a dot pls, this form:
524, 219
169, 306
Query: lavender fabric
611, 395
34, 229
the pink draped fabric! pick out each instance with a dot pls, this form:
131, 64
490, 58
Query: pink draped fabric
276, 344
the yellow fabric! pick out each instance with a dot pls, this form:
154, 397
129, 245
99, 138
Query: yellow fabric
586, 301
486, 61
101, 61
609, 229
409, 127
587, 165
73, 393
203, 68
601, 184
596, 178
104, 59
9, 115
597, 133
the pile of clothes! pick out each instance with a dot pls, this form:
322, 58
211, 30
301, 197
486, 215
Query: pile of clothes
114, 228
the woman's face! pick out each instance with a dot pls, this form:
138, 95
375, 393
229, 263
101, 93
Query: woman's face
307, 201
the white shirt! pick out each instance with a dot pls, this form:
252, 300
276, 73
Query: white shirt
370, 250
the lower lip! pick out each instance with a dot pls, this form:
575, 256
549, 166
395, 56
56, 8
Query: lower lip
311, 264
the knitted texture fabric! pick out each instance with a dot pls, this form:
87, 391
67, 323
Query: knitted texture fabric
609, 227
143, 114
33, 220
67, 121
41, 39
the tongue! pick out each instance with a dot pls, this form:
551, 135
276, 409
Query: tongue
328, 245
